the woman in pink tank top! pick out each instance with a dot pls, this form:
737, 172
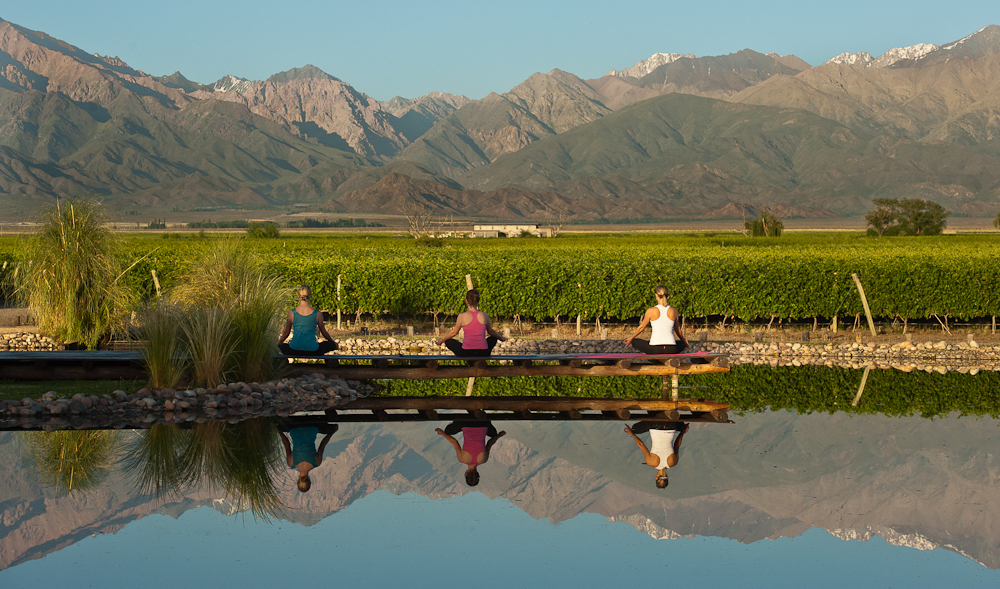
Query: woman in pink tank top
475, 324
474, 449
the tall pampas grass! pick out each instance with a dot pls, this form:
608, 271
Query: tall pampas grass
229, 311
164, 350
209, 338
71, 276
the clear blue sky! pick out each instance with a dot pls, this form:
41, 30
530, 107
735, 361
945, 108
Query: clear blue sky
386, 48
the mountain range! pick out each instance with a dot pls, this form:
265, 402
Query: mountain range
673, 136
912, 481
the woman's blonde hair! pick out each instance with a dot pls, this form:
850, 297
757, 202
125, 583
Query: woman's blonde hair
661, 290
305, 293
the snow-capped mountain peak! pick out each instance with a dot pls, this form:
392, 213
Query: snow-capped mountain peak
963, 39
899, 53
886, 59
230, 83
864, 59
646, 66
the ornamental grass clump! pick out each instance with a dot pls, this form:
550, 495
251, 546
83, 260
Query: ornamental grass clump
73, 460
164, 350
72, 275
228, 311
210, 342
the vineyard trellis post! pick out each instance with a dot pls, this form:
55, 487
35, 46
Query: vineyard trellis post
338, 302
864, 301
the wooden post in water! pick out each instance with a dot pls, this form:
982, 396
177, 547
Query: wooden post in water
338, 302
861, 389
864, 301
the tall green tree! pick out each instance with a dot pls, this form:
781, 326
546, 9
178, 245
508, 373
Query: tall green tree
907, 216
767, 225
883, 216
921, 217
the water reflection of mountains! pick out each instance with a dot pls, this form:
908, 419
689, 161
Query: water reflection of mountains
915, 482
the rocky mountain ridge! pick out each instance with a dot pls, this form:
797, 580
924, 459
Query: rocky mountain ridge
75, 124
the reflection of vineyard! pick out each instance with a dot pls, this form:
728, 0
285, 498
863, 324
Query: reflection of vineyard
757, 388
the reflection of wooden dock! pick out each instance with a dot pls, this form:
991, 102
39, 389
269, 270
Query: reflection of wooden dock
378, 409
113, 365
447, 366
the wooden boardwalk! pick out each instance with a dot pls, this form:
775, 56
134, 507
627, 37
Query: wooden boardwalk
113, 365
439, 408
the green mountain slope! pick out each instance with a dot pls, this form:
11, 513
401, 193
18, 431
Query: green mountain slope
679, 147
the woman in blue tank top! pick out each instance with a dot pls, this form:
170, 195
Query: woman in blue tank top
302, 322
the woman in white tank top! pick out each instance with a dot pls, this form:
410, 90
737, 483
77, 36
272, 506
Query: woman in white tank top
665, 438
667, 337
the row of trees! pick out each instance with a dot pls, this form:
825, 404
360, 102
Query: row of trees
907, 216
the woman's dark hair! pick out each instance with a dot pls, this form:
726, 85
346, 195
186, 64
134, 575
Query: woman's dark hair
472, 298
472, 477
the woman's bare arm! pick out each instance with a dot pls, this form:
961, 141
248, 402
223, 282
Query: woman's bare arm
490, 443
454, 331
646, 318
322, 326
287, 330
672, 460
491, 331
650, 458
288, 448
454, 442
322, 446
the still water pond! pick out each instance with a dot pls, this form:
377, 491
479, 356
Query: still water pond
776, 499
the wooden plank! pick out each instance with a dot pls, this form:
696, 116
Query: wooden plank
517, 404
418, 372
97, 372
135, 355
501, 357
